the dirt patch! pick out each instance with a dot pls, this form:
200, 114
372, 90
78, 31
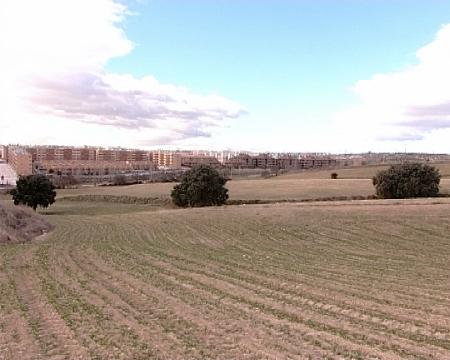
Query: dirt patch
18, 225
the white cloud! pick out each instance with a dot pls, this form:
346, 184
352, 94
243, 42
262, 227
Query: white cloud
54, 79
409, 105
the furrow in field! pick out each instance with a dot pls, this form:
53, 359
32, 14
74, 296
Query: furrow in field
132, 266
55, 338
301, 278
203, 295
201, 323
350, 283
16, 339
252, 280
106, 280
310, 297
436, 334
209, 282
141, 339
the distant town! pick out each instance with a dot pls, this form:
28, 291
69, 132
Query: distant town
92, 164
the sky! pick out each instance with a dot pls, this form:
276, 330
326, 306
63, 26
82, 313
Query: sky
274, 75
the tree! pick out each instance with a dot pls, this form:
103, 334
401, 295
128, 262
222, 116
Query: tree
407, 180
34, 191
200, 186
334, 175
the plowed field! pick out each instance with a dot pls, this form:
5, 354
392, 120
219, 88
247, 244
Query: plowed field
290, 281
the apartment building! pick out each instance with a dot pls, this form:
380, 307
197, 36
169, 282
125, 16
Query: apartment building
49, 153
267, 161
245, 161
77, 160
192, 160
264, 161
123, 155
241, 161
92, 161
20, 160
90, 167
8, 177
167, 159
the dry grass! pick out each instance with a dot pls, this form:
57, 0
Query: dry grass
366, 280
357, 172
277, 188
263, 189
18, 225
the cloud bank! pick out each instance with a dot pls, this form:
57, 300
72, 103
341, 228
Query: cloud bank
53, 65
409, 105
405, 106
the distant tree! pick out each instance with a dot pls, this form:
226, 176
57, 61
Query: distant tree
334, 175
119, 179
34, 191
407, 180
200, 186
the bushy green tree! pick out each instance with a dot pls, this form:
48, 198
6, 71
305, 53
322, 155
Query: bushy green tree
34, 191
407, 180
200, 186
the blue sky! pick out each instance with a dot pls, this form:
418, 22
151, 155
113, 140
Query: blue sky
293, 60
291, 65
217, 45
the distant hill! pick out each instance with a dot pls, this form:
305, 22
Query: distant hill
18, 225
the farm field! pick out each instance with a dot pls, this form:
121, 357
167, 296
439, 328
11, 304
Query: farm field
276, 188
341, 280
357, 172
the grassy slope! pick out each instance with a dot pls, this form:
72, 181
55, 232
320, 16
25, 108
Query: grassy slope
117, 281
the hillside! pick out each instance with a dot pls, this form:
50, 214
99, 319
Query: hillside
20, 225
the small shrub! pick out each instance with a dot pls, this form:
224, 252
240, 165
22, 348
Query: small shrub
407, 180
200, 186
